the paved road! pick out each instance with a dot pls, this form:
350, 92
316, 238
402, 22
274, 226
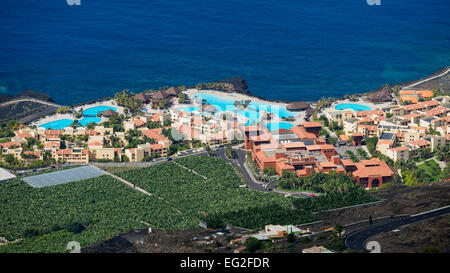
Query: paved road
239, 161
32, 100
149, 163
357, 240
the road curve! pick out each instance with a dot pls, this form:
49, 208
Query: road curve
357, 240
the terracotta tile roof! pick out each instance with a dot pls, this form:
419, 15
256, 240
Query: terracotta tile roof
369, 127
326, 146
54, 132
301, 133
313, 148
138, 122
420, 143
70, 151
91, 132
311, 124
9, 144
49, 145
421, 105
385, 141
373, 168
95, 144
436, 111
36, 153
155, 134
263, 137
327, 164
157, 146
293, 145
425, 93
23, 135
375, 112
407, 92
399, 149
156, 117
347, 162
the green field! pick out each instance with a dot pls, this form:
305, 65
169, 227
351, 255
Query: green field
427, 172
104, 207
431, 168
217, 195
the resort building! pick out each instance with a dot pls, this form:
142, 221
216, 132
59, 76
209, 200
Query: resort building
414, 96
399, 153
369, 173
74, 155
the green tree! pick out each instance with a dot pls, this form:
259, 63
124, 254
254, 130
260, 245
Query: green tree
252, 244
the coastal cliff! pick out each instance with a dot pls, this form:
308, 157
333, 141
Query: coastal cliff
235, 84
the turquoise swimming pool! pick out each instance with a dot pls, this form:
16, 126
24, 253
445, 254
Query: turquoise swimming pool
189, 109
57, 124
353, 106
86, 120
63, 123
93, 111
274, 126
89, 116
252, 113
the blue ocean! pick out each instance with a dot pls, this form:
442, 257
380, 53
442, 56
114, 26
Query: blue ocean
286, 50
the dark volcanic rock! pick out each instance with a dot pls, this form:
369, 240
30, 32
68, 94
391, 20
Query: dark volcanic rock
5, 97
36, 95
238, 84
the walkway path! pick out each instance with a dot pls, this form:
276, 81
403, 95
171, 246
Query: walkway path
133, 186
192, 171
32, 100
441, 164
146, 164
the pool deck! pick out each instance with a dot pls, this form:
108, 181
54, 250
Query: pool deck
110, 103
56, 117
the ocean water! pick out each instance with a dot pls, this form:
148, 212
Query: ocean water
286, 49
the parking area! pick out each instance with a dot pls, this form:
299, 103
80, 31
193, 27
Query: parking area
64, 176
341, 150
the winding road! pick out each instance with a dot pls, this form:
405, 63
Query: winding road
357, 240
30, 99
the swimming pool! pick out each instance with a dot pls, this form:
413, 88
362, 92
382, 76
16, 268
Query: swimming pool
252, 113
189, 109
274, 126
63, 123
86, 120
353, 106
93, 111
57, 124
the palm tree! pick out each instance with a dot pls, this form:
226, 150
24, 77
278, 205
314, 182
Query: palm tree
339, 230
